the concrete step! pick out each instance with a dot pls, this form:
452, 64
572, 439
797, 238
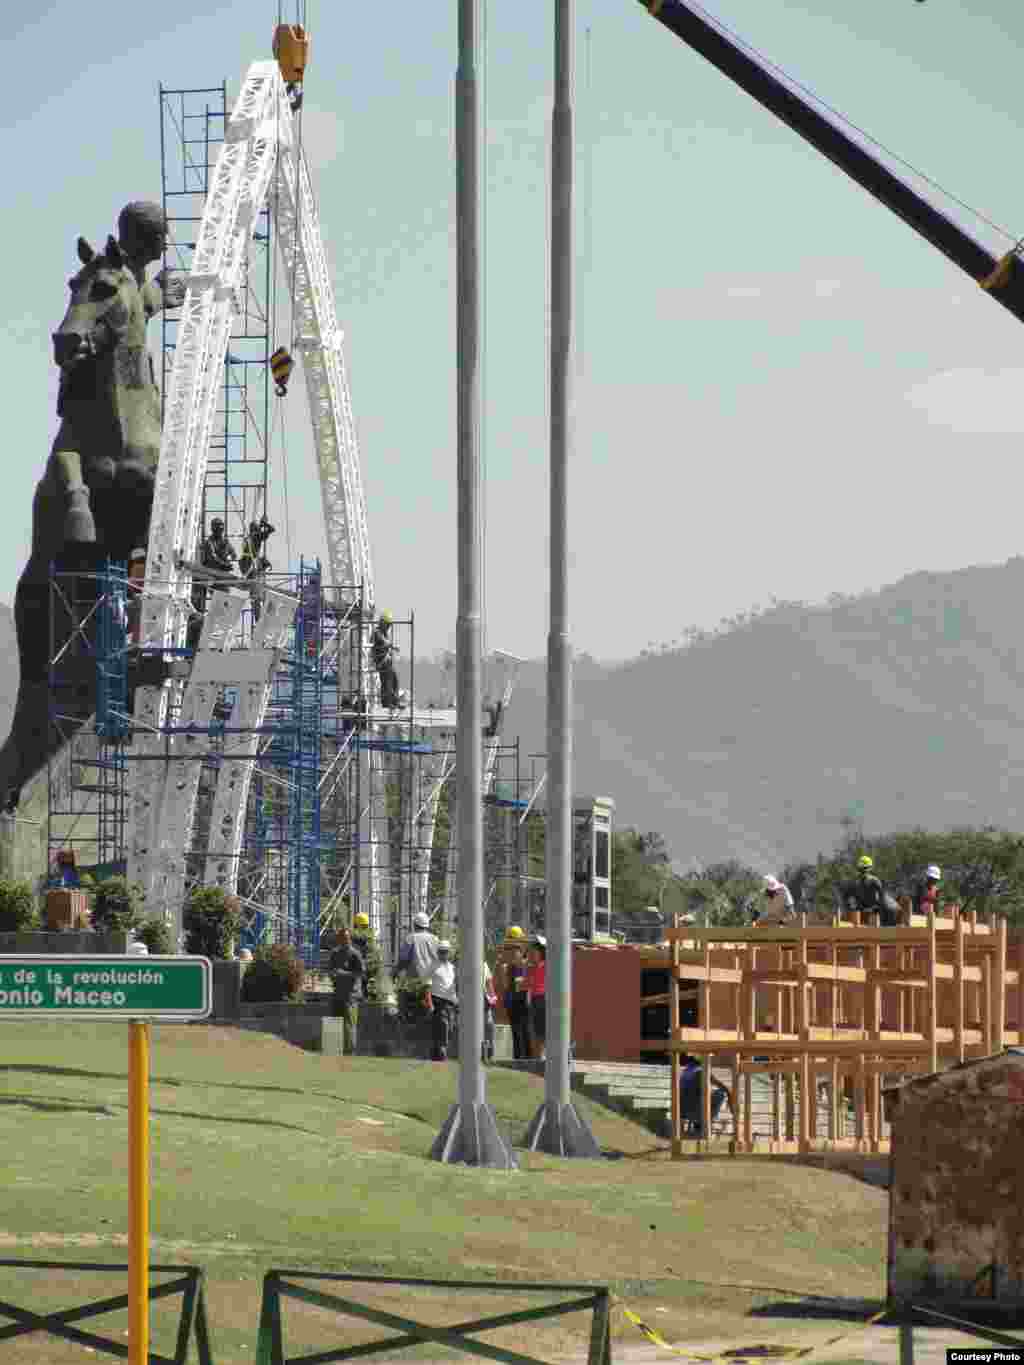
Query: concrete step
645, 1094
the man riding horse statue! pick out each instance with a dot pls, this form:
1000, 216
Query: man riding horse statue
94, 500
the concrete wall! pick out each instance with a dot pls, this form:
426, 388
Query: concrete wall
606, 1004
957, 1193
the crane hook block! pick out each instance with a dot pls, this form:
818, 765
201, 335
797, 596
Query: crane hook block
291, 48
281, 366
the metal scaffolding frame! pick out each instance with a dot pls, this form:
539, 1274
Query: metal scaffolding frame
192, 131
88, 655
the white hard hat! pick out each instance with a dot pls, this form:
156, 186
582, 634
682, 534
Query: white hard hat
687, 919
421, 919
444, 946
138, 950
934, 872
772, 883
245, 955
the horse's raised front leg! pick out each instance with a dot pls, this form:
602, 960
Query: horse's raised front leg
79, 523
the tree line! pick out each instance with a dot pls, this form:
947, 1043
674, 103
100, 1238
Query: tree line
982, 870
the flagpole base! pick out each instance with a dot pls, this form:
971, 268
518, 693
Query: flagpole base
470, 1137
560, 1131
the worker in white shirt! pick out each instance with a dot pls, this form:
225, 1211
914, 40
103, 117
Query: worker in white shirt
778, 905
490, 1000
445, 1000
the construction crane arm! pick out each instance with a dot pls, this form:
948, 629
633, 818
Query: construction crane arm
1003, 279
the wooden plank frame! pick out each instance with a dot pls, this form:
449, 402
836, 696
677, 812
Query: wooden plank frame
853, 1006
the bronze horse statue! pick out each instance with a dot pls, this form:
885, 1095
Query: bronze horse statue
95, 497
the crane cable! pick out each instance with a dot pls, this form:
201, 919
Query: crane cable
742, 43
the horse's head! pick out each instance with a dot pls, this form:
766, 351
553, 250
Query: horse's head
105, 298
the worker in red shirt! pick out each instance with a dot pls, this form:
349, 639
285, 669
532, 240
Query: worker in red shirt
536, 982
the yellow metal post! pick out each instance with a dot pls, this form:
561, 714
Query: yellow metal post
138, 1193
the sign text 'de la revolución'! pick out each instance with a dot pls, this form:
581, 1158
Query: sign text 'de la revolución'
106, 987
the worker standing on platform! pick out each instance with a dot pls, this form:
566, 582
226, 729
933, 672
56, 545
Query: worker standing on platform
383, 651
253, 563
926, 892
217, 553
779, 907
867, 894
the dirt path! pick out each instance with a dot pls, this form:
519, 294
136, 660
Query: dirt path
874, 1346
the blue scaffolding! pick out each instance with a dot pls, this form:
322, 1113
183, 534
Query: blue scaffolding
307, 690
86, 772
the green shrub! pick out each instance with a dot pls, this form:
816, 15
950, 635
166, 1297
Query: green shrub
156, 935
212, 920
275, 973
17, 906
117, 906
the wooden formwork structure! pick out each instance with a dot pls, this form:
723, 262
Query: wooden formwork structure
836, 1007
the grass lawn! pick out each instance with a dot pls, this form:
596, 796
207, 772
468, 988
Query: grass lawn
267, 1156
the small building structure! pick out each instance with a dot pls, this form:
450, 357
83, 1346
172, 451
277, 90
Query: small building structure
956, 1230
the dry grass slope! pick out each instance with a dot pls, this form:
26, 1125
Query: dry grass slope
266, 1156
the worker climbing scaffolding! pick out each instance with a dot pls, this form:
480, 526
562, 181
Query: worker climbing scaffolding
383, 651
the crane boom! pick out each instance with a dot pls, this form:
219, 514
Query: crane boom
1003, 279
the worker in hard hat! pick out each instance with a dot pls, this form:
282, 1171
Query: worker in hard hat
536, 989
926, 891
418, 956
362, 941
867, 894
444, 997
778, 905
348, 972
510, 970
383, 651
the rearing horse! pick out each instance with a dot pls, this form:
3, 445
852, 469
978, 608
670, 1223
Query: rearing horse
96, 494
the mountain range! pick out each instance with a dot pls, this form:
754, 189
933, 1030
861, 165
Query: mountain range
769, 741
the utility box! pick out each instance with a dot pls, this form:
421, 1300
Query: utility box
956, 1199
66, 909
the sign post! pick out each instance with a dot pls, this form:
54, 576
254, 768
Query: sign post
138, 1192
139, 990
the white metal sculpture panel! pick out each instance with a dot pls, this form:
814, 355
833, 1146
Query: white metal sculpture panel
227, 824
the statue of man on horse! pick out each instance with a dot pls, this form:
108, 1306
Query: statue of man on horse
95, 497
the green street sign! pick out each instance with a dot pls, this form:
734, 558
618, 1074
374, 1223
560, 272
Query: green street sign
94, 987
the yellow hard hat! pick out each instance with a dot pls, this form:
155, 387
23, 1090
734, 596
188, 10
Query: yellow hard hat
865, 861
361, 921
386, 616
514, 932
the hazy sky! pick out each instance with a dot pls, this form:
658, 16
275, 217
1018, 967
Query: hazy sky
785, 391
